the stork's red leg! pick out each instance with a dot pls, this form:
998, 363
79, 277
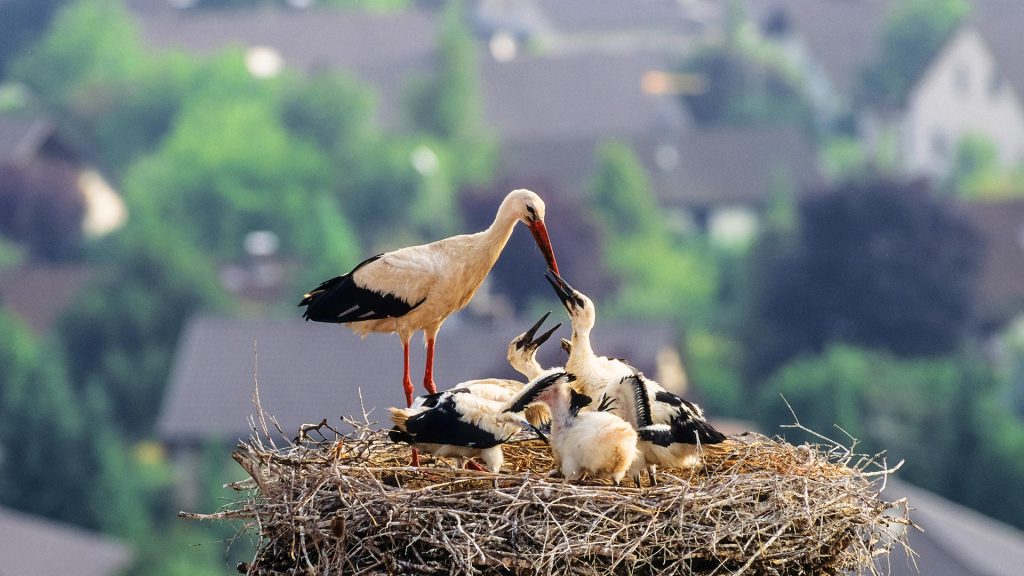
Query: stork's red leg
407, 384
406, 376
428, 372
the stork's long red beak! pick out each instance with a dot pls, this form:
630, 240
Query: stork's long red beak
540, 235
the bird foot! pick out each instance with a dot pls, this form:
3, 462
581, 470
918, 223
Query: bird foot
415, 462
472, 465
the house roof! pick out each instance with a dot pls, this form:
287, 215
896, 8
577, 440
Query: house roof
22, 136
740, 165
576, 16
1001, 288
39, 293
841, 35
569, 96
1000, 23
382, 49
955, 541
311, 371
33, 545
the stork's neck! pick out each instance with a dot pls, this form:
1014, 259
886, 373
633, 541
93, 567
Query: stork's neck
494, 238
582, 352
561, 418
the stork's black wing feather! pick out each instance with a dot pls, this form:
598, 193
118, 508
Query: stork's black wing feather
578, 402
443, 425
533, 389
692, 431
340, 300
640, 399
660, 434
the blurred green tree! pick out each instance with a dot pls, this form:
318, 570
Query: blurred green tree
913, 34
920, 411
743, 87
91, 45
121, 334
229, 167
659, 275
21, 22
45, 461
877, 262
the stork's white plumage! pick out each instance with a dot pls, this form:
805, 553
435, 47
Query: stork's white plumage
591, 443
458, 424
671, 429
522, 350
595, 375
417, 288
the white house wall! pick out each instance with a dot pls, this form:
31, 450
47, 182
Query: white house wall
962, 92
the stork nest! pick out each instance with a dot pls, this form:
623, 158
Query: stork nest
350, 504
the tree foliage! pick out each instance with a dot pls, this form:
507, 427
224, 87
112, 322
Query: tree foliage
91, 44
879, 399
21, 22
740, 88
673, 277
911, 37
122, 332
879, 263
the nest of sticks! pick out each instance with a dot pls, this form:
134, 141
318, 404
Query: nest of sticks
350, 504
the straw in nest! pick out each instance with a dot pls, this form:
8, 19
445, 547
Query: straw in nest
350, 505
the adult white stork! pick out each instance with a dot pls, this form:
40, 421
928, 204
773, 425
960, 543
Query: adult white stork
418, 287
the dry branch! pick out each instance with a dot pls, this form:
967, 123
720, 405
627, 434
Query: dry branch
351, 506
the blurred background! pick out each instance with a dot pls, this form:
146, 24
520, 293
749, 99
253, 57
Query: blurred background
821, 200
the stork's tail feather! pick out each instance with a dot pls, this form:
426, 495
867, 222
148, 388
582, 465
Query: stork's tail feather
721, 448
707, 434
399, 416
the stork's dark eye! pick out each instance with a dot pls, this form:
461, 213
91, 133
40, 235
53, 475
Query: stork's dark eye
533, 213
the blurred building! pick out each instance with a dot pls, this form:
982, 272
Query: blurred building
1000, 297
34, 545
829, 41
550, 107
974, 87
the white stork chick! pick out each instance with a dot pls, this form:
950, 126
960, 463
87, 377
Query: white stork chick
677, 426
522, 356
596, 375
457, 424
593, 443
672, 431
417, 288
522, 350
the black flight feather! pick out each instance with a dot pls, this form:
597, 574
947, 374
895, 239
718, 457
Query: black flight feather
641, 402
661, 435
532, 390
606, 404
340, 300
443, 425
